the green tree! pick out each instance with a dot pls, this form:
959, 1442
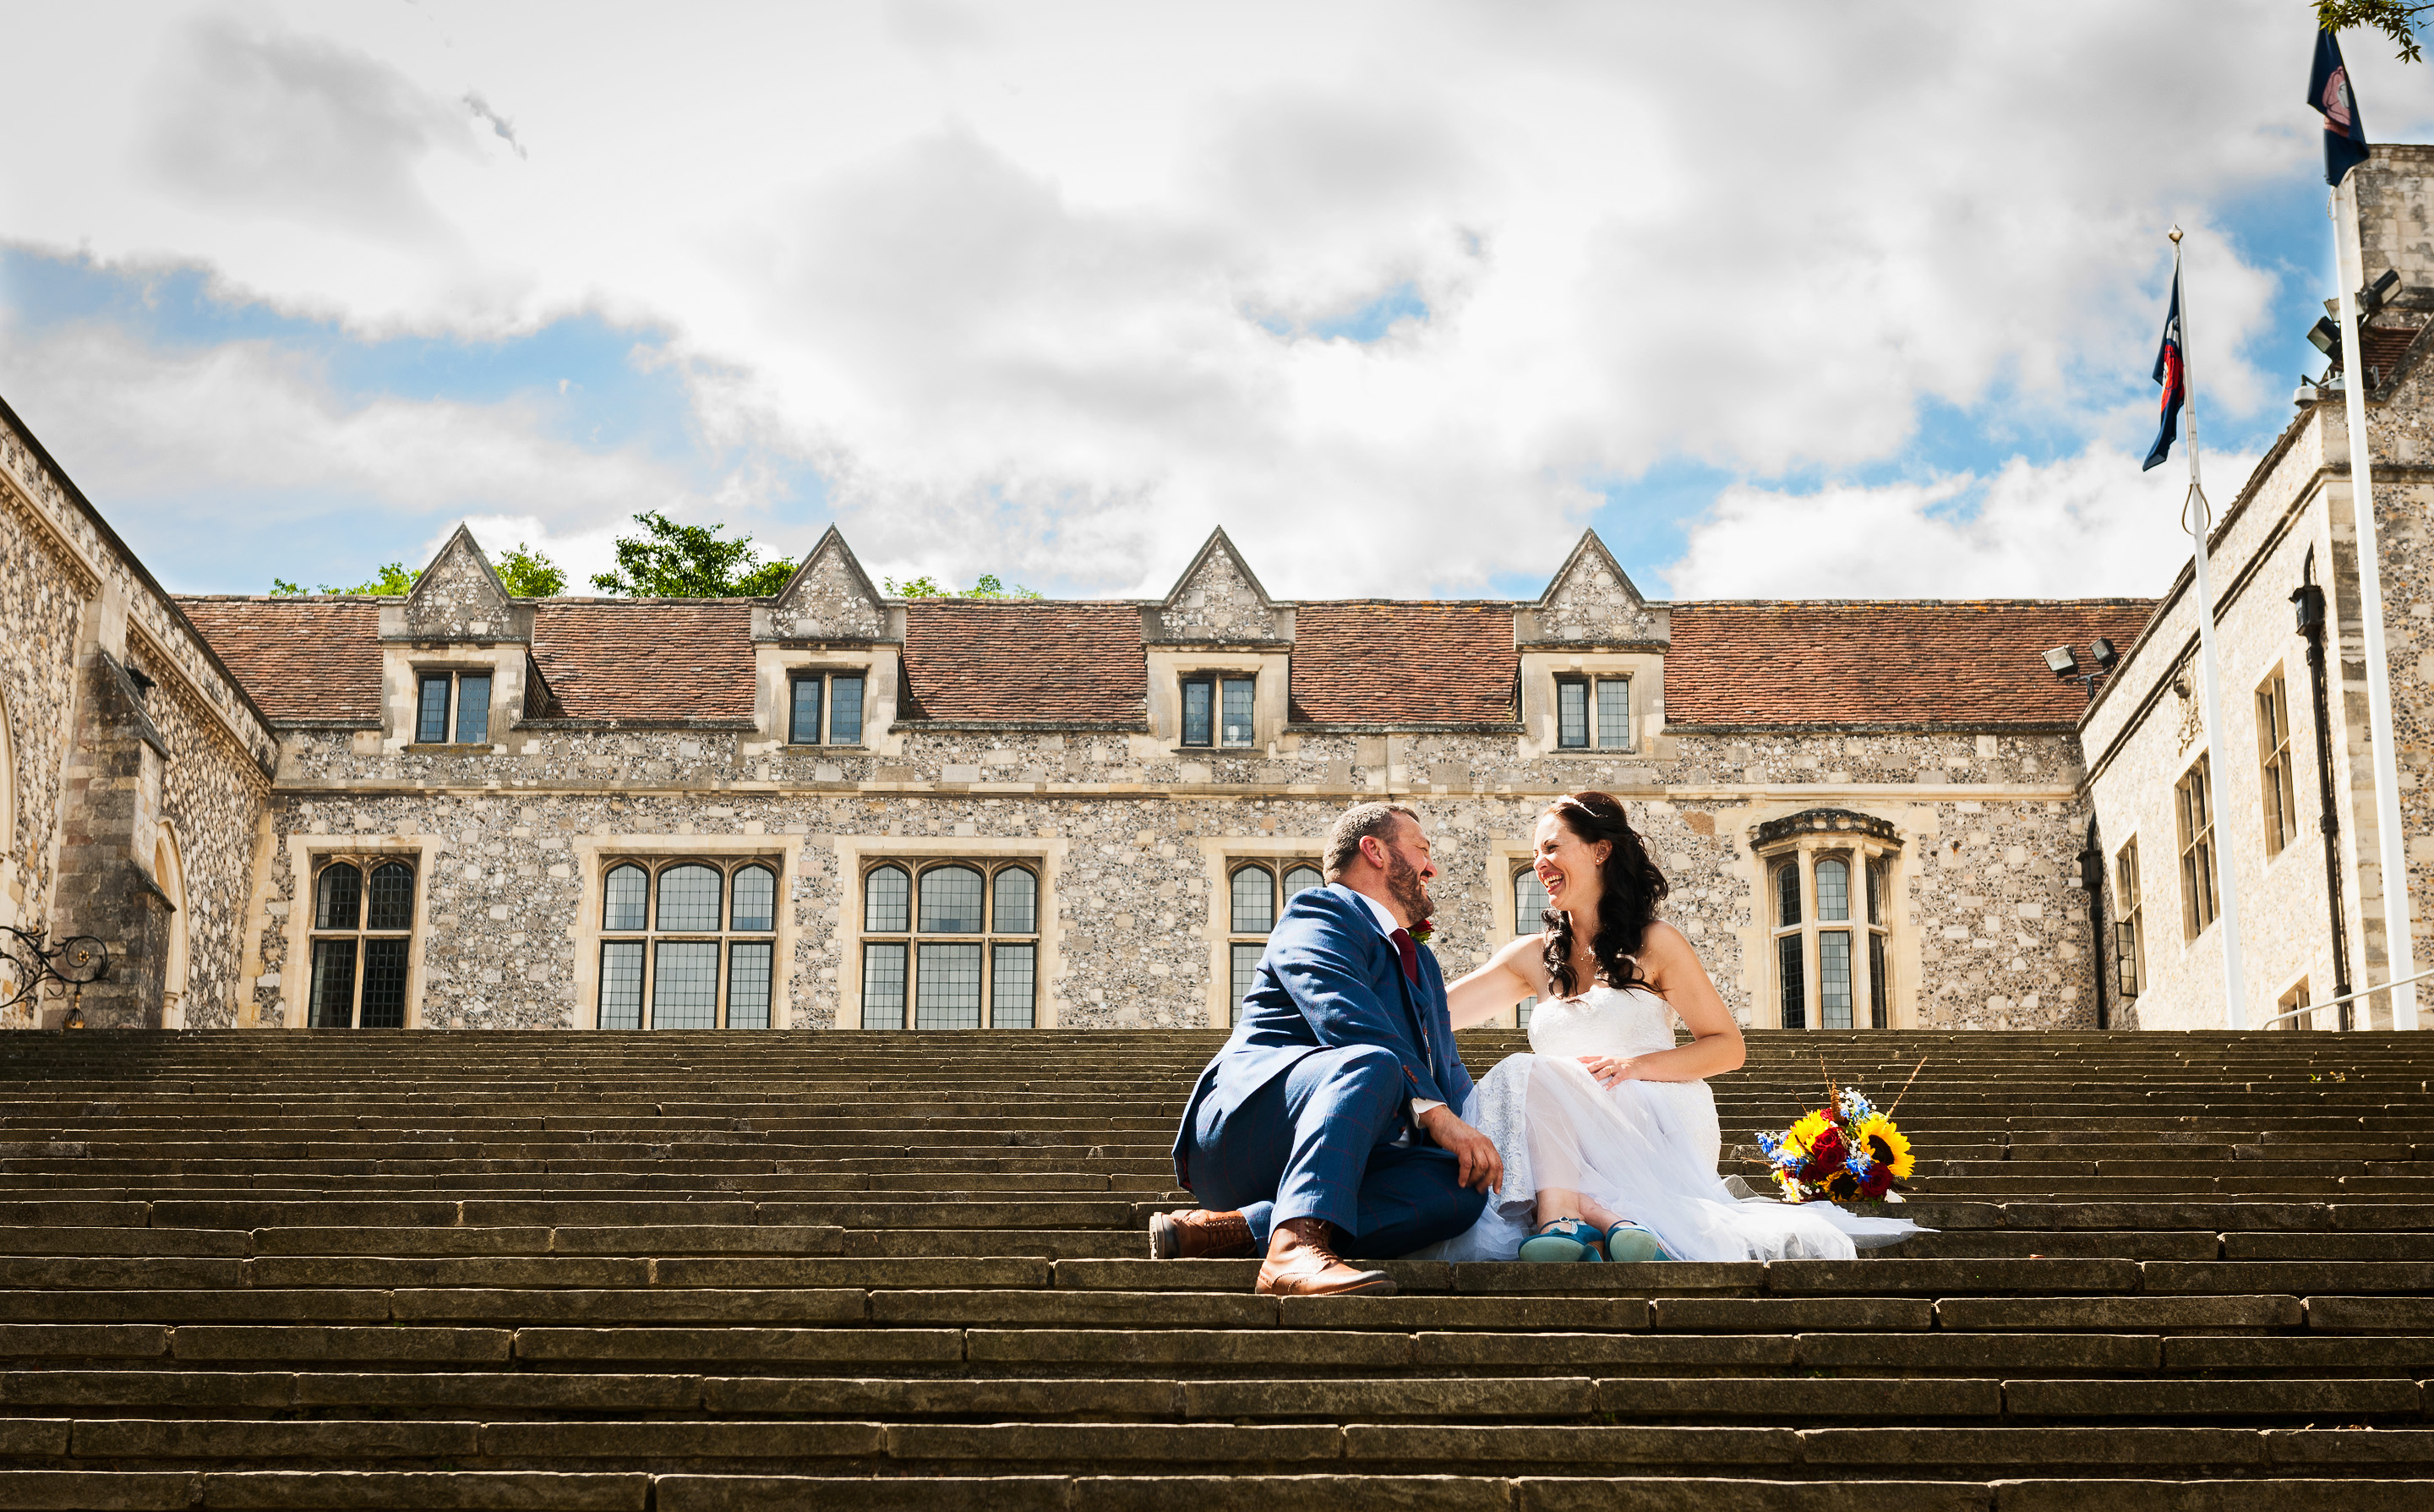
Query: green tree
925, 586
393, 580
530, 574
2396, 18
690, 561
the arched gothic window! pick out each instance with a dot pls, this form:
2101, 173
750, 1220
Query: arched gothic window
362, 942
1255, 893
1829, 913
950, 945
1529, 917
687, 944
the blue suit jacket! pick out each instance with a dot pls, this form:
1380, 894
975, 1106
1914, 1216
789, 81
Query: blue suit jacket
1328, 979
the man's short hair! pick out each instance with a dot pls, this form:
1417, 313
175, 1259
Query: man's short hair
1356, 824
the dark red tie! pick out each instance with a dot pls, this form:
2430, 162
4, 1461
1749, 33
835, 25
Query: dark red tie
1410, 952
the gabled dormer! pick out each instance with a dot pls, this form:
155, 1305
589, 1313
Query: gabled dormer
1592, 601
459, 598
826, 653
1592, 660
456, 656
1218, 598
1219, 661
829, 599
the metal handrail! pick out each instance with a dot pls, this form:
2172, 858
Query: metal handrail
2335, 1003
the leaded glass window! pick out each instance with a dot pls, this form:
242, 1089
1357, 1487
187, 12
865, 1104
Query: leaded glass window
1219, 711
439, 692
1832, 950
1530, 907
687, 944
824, 709
1592, 714
362, 943
965, 951
1255, 890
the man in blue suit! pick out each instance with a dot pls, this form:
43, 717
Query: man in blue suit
1327, 1120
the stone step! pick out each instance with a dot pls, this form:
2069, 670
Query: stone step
1887, 1400
870, 1445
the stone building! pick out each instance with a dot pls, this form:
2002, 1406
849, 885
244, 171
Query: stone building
2171, 810
135, 771
458, 808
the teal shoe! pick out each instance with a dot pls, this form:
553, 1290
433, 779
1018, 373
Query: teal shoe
1627, 1241
1561, 1240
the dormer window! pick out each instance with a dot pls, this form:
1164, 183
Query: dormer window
1593, 713
825, 708
469, 692
1217, 712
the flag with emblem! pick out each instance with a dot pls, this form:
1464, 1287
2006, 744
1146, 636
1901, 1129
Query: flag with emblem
2174, 379
2329, 91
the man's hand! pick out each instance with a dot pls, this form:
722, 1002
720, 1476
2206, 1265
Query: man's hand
1482, 1169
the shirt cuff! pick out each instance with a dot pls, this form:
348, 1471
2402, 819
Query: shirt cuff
1421, 1107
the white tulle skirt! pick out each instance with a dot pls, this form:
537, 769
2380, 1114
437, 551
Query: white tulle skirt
1648, 1150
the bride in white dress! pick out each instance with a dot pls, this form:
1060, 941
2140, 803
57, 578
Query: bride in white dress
1607, 1129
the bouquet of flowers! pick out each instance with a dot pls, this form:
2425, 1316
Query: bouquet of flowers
1846, 1151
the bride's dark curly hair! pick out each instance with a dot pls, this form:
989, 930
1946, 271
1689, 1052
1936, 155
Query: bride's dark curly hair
1631, 887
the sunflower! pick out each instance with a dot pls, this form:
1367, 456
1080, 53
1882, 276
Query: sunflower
1886, 1145
1801, 1135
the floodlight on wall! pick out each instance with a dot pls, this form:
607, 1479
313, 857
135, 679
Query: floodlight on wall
2325, 338
2065, 664
2374, 296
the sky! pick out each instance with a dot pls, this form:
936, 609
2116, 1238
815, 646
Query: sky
1799, 299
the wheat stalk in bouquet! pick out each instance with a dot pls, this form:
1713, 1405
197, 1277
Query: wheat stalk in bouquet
1848, 1150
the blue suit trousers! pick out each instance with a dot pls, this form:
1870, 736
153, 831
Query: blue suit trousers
1317, 1142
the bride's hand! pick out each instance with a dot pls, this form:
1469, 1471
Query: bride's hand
1608, 1070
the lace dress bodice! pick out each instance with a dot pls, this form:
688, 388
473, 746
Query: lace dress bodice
1604, 1020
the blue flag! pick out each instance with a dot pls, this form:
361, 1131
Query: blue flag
2173, 376
2328, 90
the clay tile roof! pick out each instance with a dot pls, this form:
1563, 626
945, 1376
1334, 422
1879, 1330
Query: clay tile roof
2383, 346
1886, 663
300, 658
1024, 662
646, 658
1368, 662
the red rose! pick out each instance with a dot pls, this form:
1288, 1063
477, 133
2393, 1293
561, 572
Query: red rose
1876, 1180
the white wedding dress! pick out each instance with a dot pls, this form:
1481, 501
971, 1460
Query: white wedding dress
1645, 1149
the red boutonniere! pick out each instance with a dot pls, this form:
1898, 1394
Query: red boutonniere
1424, 931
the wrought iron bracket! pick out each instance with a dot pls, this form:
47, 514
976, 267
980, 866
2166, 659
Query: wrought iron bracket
72, 964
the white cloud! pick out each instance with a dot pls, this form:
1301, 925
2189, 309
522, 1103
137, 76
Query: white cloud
2088, 527
295, 125
139, 425
1033, 290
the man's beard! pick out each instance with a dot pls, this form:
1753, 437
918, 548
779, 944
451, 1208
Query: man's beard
1404, 886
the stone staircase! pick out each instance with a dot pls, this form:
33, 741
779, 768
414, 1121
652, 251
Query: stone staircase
694, 1272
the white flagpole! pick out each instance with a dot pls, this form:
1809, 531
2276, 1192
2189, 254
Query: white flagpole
2400, 945
2198, 520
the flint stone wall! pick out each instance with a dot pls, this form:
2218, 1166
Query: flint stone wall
828, 601
41, 600
96, 766
1218, 602
1989, 882
456, 598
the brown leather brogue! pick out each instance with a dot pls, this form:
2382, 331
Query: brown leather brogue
1200, 1234
1301, 1263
